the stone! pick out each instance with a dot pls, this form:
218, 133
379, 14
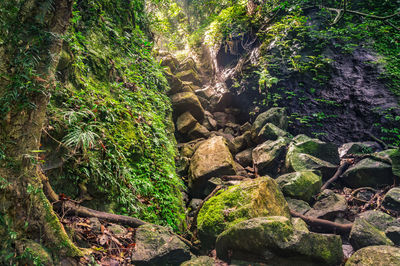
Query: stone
391, 200
266, 156
187, 101
240, 143
245, 157
198, 131
245, 127
188, 64
248, 199
276, 116
190, 75
358, 148
368, 173
270, 132
223, 118
364, 234
300, 225
156, 245
206, 93
395, 158
299, 206
117, 230
175, 83
211, 159
169, 61
305, 153
185, 122
378, 219
199, 261
204, 102
95, 224
187, 149
300, 185
275, 241
375, 255
229, 130
328, 205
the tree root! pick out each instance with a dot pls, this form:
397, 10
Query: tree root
324, 225
338, 173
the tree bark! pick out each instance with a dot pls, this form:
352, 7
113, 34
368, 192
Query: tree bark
21, 193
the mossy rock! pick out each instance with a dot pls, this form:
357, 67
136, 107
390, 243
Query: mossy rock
395, 158
368, 173
328, 205
199, 261
185, 122
276, 116
375, 255
391, 200
364, 234
198, 131
33, 251
300, 185
253, 198
190, 75
266, 156
187, 101
211, 159
270, 132
275, 240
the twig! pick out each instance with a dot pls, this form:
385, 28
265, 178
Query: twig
325, 225
339, 171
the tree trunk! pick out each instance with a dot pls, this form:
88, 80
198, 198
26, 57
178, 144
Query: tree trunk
29, 56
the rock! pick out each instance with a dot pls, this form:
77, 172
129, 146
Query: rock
274, 241
240, 143
300, 185
156, 245
328, 205
305, 153
300, 225
211, 159
251, 198
117, 229
187, 149
240, 170
190, 75
204, 102
194, 205
276, 116
188, 64
182, 165
229, 130
358, 148
368, 173
391, 200
169, 61
395, 158
96, 225
270, 132
185, 122
245, 127
223, 118
375, 255
266, 156
199, 261
364, 234
245, 157
31, 250
206, 93
299, 206
187, 101
378, 219
175, 83
198, 131
393, 233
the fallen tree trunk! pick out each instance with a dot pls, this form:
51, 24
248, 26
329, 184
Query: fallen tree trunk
324, 225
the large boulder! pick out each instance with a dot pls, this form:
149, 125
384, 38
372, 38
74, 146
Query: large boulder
198, 131
364, 234
199, 261
375, 255
211, 159
391, 200
305, 153
368, 173
190, 75
245, 157
358, 148
252, 198
395, 158
187, 101
328, 206
276, 116
266, 156
156, 245
300, 185
275, 241
270, 132
170, 61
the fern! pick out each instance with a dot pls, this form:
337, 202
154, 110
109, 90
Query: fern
82, 137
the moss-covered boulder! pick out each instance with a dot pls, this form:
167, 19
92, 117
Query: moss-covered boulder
391, 200
358, 148
368, 173
156, 245
240, 143
211, 159
170, 61
199, 261
270, 132
276, 116
378, 219
275, 240
244, 158
253, 198
300, 185
395, 158
190, 75
305, 153
299, 206
364, 234
198, 131
187, 101
185, 122
266, 156
375, 255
